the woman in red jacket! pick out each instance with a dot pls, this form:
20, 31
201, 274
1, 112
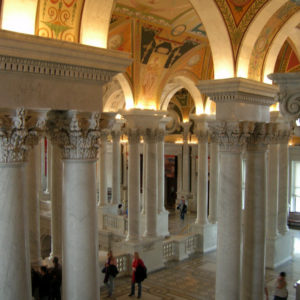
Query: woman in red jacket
138, 269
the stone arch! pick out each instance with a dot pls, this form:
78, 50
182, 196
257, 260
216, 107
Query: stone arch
175, 84
281, 37
218, 37
20, 20
117, 94
95, 22
253, 33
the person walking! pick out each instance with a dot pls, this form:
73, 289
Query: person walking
281, 292
111, 272
138, 274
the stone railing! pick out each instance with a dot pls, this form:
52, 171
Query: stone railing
115, 224
180, 247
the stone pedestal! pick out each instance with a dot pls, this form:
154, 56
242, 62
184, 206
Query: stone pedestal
279, 250
208, 236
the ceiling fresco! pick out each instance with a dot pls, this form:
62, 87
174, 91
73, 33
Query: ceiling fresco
266, 37
287, 60
160, 46
237, 15
59, 19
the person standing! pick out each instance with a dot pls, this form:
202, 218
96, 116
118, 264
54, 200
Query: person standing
281, 292
44, 290
56, 278
110, 272
138, 274
182, 208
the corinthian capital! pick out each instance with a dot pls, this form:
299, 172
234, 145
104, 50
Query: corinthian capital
18, 131
133, 135
76, 133
259, 138
151, 135
231, 135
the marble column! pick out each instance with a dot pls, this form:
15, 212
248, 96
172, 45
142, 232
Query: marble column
116, 177
254, 216
213, 180
102, 177
161, 171
133, 185
144, 195
16, 130
33, 206
56, 200
202, 170
272, 184
150, 138
283, 180
231, 137
185, 160
78, 138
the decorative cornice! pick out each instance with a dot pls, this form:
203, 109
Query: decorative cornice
52, 69
76, 133
239, 90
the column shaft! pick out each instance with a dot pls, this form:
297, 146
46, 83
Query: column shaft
80, 246
161, 175
14, 270
151, 203
213, 182
56, 201
133, 187
202, 182
103, 166
33, 206
185, 167
116, 182
283, 188
254, 225
145, 168
272, 194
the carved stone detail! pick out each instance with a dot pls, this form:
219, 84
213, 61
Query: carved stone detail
116, 134
18, 132
133, 135
24, 65
259, 138
76, 133
151, 135
289, 104
231, 135
202, 136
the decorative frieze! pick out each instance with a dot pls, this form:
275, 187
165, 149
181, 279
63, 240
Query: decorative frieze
19, 130
53, 69
76, 133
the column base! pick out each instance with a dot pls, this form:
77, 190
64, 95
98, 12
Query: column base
279, 250
150, 251
208, 236
163, 224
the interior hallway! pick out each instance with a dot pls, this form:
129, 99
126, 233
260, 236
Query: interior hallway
195, 278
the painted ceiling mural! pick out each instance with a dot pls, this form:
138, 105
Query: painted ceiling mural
266, 37
161, 46
59, 19
238, 14
287, 60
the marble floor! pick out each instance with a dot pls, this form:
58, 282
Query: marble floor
194, 278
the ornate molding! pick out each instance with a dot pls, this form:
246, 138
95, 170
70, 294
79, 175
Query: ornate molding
289, 104
231, 135
53, 69
19, 131
134, 135
76, 134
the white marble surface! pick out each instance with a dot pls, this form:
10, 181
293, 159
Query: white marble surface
15, 270
80, 234
102, 169
253, 267
208, 236
32, 204
202, 179
213, 180
116, 174
229, 227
